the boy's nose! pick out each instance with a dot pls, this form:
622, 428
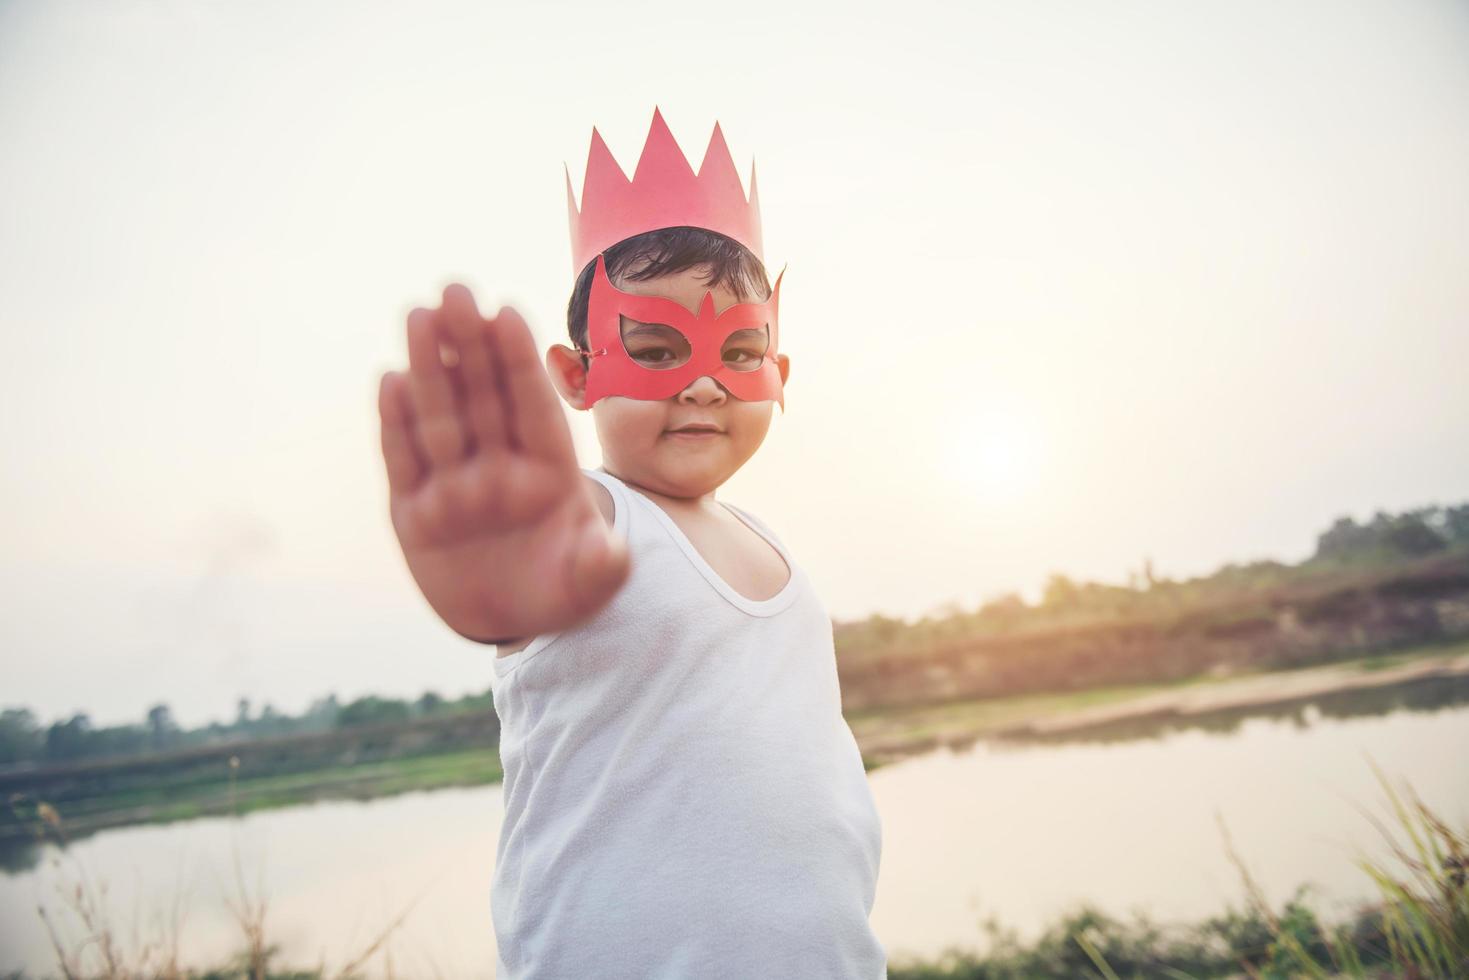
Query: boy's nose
703, 391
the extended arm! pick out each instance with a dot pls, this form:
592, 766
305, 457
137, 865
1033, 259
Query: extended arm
497, 524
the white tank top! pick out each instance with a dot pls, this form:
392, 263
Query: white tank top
683, 797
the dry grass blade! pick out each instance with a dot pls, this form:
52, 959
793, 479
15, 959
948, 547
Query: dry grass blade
382, 938
1284, 937
1090, 949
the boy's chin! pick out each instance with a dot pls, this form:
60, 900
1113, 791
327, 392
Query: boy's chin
693, 477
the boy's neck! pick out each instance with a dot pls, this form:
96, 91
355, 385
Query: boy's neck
699, 502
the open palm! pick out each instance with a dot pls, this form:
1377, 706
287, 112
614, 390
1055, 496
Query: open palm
496, 521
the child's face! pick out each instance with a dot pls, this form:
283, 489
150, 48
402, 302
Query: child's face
641, 441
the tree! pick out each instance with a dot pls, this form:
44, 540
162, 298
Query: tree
1343, 539
20, 736
68, 739
372, 711
1409, 534
272, 722
1456, 523
1060, 592
1003, 612
322, 714
162, 729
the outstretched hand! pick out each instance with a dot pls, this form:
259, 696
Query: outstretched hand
496, 521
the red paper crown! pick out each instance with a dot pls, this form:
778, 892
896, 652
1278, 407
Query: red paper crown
664, 192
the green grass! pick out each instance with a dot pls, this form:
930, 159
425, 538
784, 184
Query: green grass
465, 768
1386, 661
217, 796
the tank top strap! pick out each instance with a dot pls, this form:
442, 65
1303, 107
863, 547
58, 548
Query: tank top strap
761, 527
622, 506
621, 498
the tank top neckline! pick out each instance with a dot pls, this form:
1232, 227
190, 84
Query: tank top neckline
622, 500
755, 607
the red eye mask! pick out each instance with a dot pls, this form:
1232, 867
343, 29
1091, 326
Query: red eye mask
613, 371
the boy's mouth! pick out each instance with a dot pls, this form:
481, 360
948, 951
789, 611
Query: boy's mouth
696, 430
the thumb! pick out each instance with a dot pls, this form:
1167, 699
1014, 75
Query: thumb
596, 568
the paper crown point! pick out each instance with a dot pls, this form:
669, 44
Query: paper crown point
664, 192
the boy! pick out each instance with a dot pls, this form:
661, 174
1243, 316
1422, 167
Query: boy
682, 795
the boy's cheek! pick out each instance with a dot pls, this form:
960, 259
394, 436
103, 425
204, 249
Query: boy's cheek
629, 419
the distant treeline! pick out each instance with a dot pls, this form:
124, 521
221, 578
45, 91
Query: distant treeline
1397, 582
24, 742
883, 643
1345, 549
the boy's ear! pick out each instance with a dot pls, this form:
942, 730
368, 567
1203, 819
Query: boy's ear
565, 368
783, 364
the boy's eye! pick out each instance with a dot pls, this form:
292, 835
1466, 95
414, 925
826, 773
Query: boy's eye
659, 347
742, 356
656, 346
744, 350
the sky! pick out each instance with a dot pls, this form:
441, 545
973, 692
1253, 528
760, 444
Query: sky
1069, 286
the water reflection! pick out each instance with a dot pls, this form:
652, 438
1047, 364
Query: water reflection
1422, 695
1025, 832
1021, 832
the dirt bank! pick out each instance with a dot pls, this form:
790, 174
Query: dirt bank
892, 735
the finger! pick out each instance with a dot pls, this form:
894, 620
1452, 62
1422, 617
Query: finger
405, 467
484, 402
596, 567
455, 374
439, 428
535, 418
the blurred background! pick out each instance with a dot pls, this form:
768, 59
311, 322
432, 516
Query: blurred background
1126, 442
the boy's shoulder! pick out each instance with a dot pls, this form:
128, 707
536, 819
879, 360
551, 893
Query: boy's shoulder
603, 496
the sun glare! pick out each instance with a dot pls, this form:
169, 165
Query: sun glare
997, 456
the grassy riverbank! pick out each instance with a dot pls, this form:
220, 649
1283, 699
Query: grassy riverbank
888, 735
359, 782
884, 736
1418, 927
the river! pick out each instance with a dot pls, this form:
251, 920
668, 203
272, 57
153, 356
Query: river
1127, 819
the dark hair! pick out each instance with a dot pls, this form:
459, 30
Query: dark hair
667, 250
